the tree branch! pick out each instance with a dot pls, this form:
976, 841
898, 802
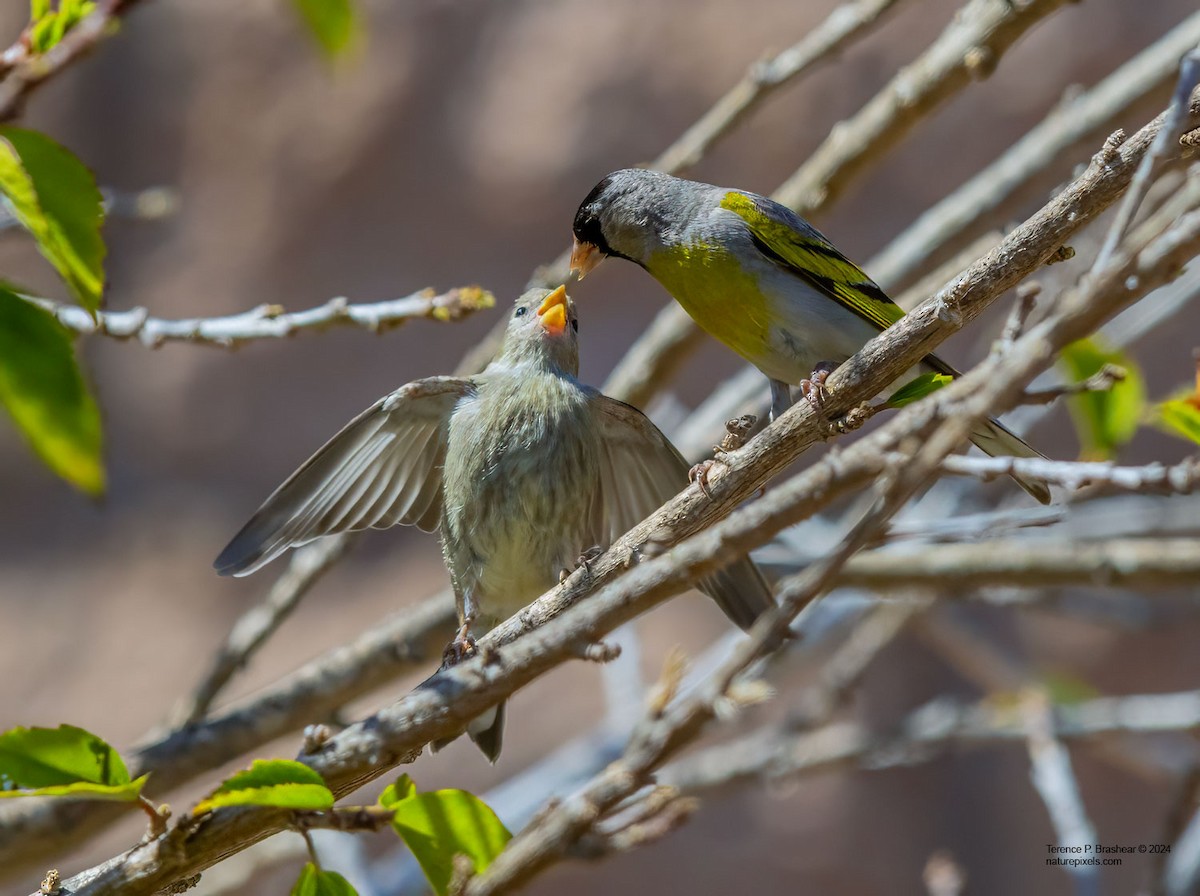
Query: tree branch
777, 751
271, 321
1181, 479
968, 49
256, 625
955, 218
845, 23
23, 71
1032, 563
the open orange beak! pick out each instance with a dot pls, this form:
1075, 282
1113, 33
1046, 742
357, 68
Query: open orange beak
584, 257
553, 312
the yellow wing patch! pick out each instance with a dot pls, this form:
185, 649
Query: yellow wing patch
788, 240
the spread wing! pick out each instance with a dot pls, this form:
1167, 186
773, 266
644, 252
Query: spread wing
384, 468
640, 470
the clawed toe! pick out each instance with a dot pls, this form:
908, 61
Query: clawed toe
461, 648
813, 388
699, 475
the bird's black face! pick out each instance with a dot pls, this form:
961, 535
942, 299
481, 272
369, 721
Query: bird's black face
588, 228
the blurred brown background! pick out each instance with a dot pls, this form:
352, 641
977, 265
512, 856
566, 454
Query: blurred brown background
454, 151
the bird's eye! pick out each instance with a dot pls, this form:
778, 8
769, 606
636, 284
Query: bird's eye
521, 312
575, 325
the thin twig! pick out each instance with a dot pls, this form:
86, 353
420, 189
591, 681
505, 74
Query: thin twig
844, 24
778, 751
968, 49
1165, 143
979, 202
271, 321
1181, 479
150, 204
256, 625
23, 70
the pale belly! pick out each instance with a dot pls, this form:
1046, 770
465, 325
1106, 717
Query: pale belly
774, 321
518, 507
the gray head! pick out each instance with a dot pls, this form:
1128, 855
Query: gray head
543, 329
630, 214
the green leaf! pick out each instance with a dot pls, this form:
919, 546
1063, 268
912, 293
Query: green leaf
48, 27
55, 198
923, 385
271, 782
439, 825
334, 23
394, 793
63, 761
1104, 421
1179, 416
315, 882
44, 392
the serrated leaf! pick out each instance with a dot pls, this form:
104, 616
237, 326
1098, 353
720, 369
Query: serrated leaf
918, 388
55, 198
283, 783
439, 825
63, 761
1104, 421
44, 392
315, 882
402, 789
334, 23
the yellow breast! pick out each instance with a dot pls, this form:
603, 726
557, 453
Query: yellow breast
719, 295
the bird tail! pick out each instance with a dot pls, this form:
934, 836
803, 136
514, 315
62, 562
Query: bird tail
486, 732
740, 591
997, 440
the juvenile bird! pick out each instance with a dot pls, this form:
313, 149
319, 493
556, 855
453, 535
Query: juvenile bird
758, 277
522, 468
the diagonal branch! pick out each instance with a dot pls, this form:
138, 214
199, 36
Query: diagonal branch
968, 49
953, 220
841, 26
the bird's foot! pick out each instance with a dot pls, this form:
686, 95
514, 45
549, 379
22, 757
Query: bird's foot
736, 431
461, 648
781, 398
813, 388
583, 561
699, 475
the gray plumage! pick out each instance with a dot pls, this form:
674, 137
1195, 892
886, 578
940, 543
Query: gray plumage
522, 468
758, 277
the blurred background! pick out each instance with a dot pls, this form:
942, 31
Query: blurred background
454, 150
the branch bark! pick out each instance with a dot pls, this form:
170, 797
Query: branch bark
271, 321
968, 49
